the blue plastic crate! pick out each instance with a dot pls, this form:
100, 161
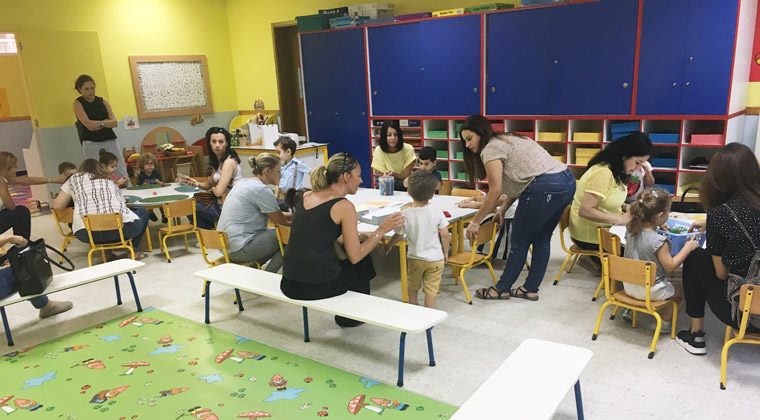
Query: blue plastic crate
616, 135
663, 162
630, 126
671, 138
671, 189
677, 240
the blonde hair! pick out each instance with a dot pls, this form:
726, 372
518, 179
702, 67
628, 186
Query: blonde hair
7, 160
645, 209
263, 161
324, 176
146, 158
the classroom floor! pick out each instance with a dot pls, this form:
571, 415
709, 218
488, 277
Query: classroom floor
620, 382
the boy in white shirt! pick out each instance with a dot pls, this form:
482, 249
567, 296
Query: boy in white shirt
428, 237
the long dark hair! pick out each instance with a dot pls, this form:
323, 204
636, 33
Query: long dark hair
384, 136
479, 125
634, 144
228, 151
81, 80
733, 172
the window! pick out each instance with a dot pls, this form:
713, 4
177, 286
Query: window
8, 44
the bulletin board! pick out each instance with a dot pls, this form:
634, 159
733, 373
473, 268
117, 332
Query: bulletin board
170, 85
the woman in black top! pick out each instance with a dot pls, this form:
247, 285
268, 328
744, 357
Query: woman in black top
95, 123
731, 195
312, 269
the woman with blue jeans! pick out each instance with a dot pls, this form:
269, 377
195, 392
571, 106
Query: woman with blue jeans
519, 168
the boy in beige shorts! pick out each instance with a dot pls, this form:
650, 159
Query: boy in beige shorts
427, 236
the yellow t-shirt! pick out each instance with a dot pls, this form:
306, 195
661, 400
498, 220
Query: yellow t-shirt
396, 162
597, 180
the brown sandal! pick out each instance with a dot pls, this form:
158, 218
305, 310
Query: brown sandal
522, 293
485, 294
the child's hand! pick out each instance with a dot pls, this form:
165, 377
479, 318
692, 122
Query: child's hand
692, 243
122, 182
698, 225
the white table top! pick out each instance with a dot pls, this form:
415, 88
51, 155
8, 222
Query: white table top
530, 384
166, 190
374, 310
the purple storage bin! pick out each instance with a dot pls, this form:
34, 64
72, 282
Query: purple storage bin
413, 16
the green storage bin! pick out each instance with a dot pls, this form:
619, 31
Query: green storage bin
441, 154
462, 176
444, 174
313, 22
437, 134
460, 155
487, 7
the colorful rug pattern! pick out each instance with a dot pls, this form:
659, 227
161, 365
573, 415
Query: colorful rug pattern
154, 365
22, 196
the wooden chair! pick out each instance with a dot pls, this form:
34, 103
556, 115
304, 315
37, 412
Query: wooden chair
64, 217
102, 223
465, 192
574, 252
463, 261
217, 240
609, 243
642, 273
749, 304
283, 236
174, 211
445, 188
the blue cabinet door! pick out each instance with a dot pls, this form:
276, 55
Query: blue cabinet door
710, 31
519, 60
336, 92
426, 68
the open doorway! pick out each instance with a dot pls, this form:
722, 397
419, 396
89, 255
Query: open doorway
287, 55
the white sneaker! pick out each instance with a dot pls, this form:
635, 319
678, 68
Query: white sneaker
666, 327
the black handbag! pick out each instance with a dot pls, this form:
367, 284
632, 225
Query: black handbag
31, 267
687, 207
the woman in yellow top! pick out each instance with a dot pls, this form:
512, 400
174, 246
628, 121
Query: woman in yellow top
602, 190
392, 156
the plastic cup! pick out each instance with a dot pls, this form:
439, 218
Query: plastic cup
386, 185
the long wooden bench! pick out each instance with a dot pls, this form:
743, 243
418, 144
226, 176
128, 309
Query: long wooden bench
374, 310
78, 278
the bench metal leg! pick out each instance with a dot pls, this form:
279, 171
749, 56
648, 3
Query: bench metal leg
6, 327
239, 300
578, 400
208, 300
402, 343
429, 333
118, 291
134, 291
306, 338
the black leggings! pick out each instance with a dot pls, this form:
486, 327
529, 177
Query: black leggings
701, 285
19, 219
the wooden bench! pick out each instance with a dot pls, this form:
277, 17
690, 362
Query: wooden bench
373, 310
77, 278
530, 384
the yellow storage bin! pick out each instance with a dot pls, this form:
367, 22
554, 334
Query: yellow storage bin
582, 160
560, 158
449, 12
550, 136
587, 136
586, 152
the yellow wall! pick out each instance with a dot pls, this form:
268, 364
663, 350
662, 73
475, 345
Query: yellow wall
12, 80
251, 37
132, 27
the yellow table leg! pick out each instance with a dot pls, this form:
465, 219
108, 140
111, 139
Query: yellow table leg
147, 237
402, 267
460, 235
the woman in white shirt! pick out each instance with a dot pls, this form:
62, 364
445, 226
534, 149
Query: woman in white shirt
94, 192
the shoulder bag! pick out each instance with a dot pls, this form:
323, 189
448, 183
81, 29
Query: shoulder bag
735, 282
31, 267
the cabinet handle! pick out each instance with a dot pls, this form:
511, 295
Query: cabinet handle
309, 112
493, 89
374, 93
687, 83
364, 113
625, 84
691, 58
336, 113
474, 90
675, 83
556, 61
422, 69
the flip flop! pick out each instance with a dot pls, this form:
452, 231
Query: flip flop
485, 294
521, 293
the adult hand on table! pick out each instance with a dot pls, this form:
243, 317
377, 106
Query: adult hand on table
469, 203
394, 221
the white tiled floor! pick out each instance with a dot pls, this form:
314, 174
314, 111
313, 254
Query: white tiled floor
620, 382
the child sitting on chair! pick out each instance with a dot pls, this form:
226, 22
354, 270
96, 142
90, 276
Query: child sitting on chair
643, 242
111, 163
293, 171
428, 237
149, 175
426, 160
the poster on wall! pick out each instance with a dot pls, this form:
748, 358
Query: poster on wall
170, 85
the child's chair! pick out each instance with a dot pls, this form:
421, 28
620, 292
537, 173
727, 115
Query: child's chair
283, 236
216, 240
574, 252
642, 273
463, 261
64, 217
174, 211
445, 188
609, 243
102, 223
749, 304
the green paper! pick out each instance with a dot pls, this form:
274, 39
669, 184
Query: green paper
163, 198
143, 187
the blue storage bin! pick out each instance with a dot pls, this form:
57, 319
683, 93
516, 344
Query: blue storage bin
620, 134
629, 126
662, 162
671, 138
677, 240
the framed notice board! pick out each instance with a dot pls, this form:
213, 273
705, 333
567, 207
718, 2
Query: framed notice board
170, 85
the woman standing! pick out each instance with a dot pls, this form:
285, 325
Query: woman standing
519, 168
95, 123
225, 165
731, 195
248, 208
312, 268
393, 157
602, 190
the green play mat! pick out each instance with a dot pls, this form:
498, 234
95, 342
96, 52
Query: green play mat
164, 198
187, 189
131, 199
144, 187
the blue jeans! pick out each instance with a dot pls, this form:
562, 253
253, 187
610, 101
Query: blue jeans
207, 215
8, 287
540, 208
132, 230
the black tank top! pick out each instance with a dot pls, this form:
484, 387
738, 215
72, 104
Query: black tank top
310, 256
96, 111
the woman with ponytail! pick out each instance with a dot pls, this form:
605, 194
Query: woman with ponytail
312, 268
247, 209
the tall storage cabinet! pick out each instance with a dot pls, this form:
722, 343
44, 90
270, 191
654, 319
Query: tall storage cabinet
336, 92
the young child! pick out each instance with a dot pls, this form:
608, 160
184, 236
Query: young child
643, 242
428, 236
149, 175
111, 163
67, 169
426, 159
293, 170
509, 214
638, 181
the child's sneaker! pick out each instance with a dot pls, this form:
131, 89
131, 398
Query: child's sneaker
627, 316
693, 342
666, 328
